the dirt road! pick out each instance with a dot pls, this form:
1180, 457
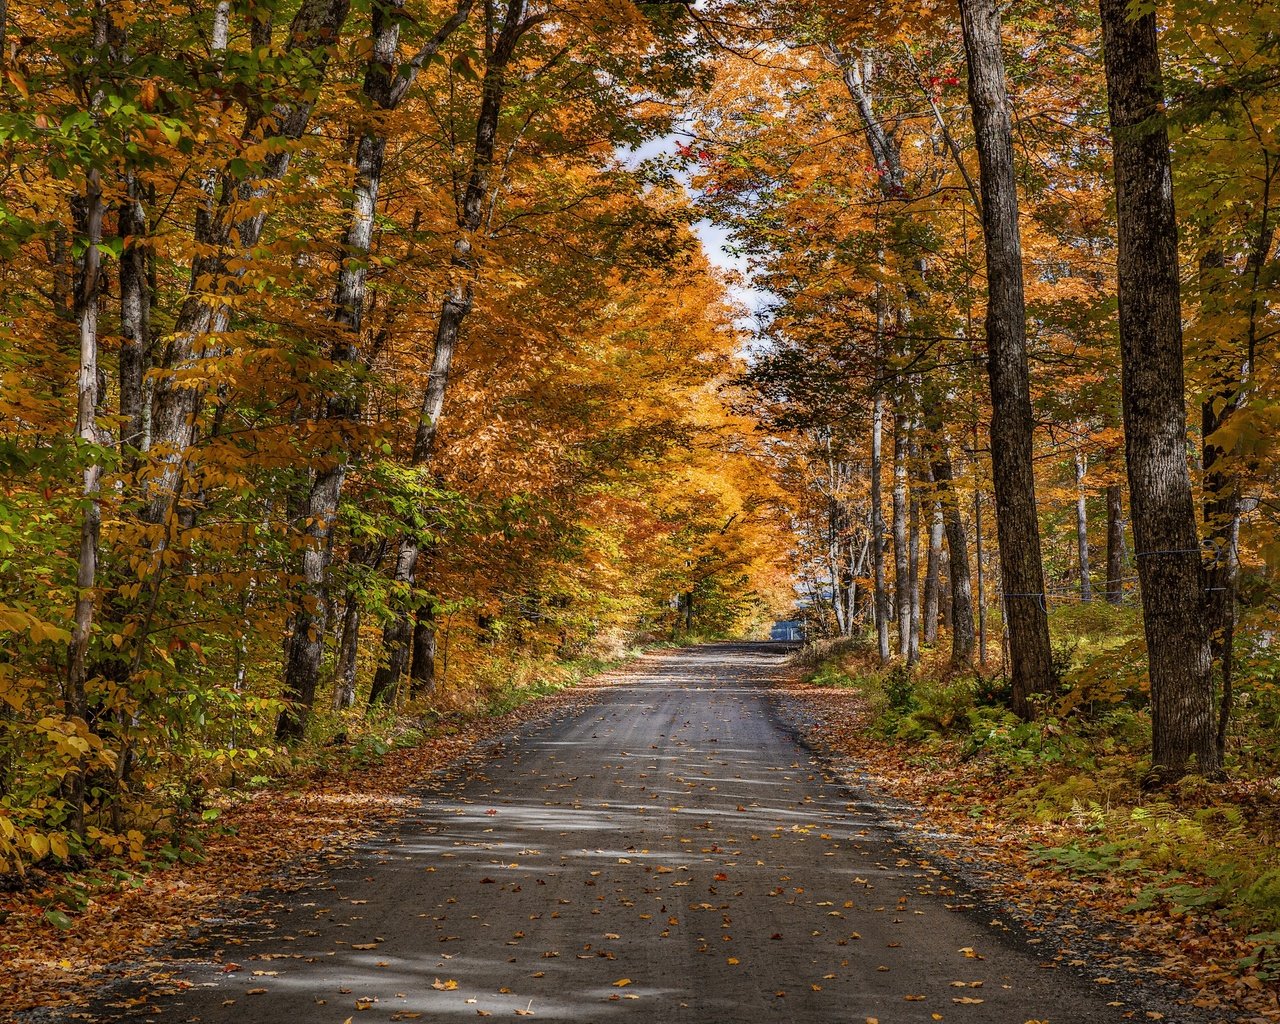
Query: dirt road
671, 854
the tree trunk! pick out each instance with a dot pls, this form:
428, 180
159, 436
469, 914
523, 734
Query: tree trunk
979, 557
1012, 422
458, 303
303, 666
176, 403
385, 85
958, 561
88, 398
1115, 543
344, 691
932, 573
944, 585
833, 556
1082, 529
913, 571
1164, 523
858, 552
1222, 502
135, 318
422, 669
901, 557
398, 635
881, 598
305, 646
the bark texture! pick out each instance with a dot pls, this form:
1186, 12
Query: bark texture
1164, 523
958, 559
1115, 543
1082, 529
932, 572
458, 303
881, 597
422, 668
384, 88
88, 397
1012, 423
901, 554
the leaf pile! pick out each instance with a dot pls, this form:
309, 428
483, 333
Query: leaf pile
972, 820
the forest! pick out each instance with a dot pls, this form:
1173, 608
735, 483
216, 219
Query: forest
365, 368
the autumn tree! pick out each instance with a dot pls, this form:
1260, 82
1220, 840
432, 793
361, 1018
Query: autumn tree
1164, 523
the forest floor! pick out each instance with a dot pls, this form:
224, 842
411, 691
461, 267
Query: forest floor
952, 806
656, 846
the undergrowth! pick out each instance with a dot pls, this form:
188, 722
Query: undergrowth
338, 744
1076, 769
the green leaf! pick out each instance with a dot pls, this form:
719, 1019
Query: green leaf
58, 919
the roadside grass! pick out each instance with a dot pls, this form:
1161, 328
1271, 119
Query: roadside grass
1070, 780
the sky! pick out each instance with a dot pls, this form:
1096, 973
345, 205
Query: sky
715, 239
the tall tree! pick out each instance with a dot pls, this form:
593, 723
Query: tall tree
1012, 421
1082, 526
502, 38
1115, 543
962, 639
385, 86
230, 226
1155, 415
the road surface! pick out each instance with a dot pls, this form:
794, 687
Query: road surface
670, 854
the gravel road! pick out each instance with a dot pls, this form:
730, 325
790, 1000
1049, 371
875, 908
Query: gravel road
669, 854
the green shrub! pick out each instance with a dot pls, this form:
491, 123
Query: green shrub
900, 689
